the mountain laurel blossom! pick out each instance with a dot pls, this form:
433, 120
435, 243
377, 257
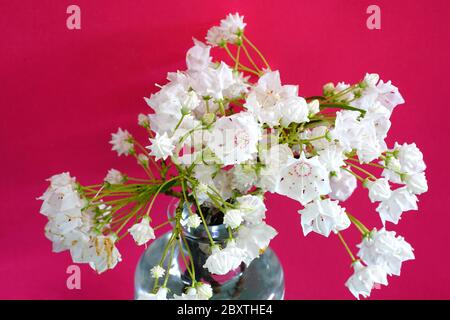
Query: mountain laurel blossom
221, 134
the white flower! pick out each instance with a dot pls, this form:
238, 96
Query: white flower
222, 183
360, 135
368, 146
234, 139
162, 146
251, 239
332, 158
323, 216
314, 107
410, 157
142, 232
193, 221
364, 279
378, 116
379, 190
400, 200
221, 261
204, 291
190, 102
341, 86
233, 24
342, 184
122, 142
295, 109
315, 133
216, 36
244, 177
157, 271
233, 218
347, 129
239, 86
161, 294
61, 200
383, 92
371, 79
277, 156
143, 120
103, 254
198, 57
392, 169
383, 248
114, 177
214, 81
62, 180
191, 294
252, 207
269, 99
416, 183
304, 180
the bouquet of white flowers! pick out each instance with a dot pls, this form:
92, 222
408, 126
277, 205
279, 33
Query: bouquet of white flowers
221, 136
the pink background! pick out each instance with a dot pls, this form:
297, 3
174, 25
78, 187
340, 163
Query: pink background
63, 92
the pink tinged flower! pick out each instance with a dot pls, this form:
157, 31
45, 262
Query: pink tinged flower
114, 177
365, 278
304, 180
383, 248
342, 185
323, 217
388, 95
122, 142
401, 200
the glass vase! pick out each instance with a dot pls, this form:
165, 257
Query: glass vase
263, 279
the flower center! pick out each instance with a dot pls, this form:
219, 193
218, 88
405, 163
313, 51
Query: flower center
302, 169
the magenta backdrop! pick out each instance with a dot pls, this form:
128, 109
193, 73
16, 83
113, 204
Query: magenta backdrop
63, 92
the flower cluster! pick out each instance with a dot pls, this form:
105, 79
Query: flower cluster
223, 135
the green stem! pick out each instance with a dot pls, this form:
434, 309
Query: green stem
203, 219
346, 246
359, 225
361, 169
258, 52
354, 174
250, 58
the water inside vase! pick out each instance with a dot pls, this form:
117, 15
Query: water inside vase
263, 279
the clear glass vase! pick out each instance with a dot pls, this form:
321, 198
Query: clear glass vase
263, 279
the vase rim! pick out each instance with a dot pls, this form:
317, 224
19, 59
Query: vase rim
219, 232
